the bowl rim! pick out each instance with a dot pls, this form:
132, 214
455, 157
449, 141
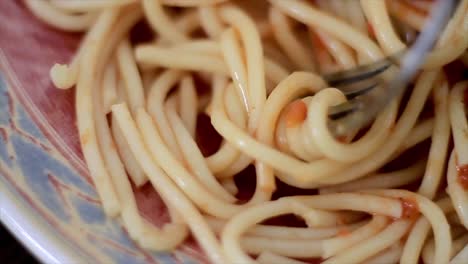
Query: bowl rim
33, 232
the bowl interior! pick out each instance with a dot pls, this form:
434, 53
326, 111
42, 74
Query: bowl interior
40, 153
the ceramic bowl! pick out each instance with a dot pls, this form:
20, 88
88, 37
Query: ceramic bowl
47, 198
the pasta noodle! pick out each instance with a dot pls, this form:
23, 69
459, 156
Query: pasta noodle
255, 68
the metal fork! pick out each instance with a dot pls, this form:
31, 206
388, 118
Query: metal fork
365, 87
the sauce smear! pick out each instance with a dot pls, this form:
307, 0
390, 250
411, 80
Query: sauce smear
296, 113
463, 175
343, 232
410, 208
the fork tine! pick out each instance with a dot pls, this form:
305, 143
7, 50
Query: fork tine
359, 88
362, 109
362, 72
365, 90
342, 110
357, 74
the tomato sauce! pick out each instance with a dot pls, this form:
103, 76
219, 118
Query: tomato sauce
463, 175
343, 232
410, 208
371, 30
296, 113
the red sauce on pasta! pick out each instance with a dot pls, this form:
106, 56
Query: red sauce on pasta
296, 114
344, 232
371, 30
410, 208
463, 175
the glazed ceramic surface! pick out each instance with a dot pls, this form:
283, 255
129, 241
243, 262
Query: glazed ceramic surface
47, 198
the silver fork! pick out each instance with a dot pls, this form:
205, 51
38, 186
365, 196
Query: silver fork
365, 87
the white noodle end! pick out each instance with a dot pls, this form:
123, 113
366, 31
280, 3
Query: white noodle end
62, 76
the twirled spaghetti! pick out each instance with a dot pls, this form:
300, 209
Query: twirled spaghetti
254, 67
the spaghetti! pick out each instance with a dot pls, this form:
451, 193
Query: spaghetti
138, 106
